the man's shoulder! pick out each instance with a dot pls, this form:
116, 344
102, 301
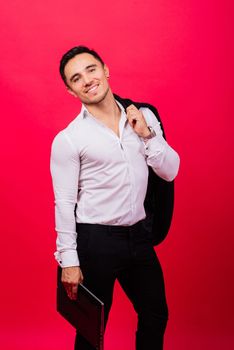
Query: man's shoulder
70, 129
127, 102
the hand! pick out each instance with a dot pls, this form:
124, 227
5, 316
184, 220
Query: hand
137, 121
71, 277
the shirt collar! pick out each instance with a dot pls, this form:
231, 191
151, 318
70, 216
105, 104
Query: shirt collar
85, 113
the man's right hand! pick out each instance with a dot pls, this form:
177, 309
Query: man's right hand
71, 277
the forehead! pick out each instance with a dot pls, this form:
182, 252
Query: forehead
79, 63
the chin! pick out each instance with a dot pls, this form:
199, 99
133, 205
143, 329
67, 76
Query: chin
96, 99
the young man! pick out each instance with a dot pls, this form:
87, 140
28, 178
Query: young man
100, 165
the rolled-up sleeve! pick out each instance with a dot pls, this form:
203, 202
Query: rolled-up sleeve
163, 159
65, 167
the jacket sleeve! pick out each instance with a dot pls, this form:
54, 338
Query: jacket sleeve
163, 159
65, 167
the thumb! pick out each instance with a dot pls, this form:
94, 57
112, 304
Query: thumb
132, 122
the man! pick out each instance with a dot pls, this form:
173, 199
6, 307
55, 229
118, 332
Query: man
99, 167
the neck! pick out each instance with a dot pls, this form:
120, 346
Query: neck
107, 108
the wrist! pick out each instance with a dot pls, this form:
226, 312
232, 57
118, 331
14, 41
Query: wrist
149, 134
70, 267
146, 133
68, 258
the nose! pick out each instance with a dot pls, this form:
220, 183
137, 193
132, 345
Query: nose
86, 79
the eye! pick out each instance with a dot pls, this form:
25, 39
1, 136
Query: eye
92, 70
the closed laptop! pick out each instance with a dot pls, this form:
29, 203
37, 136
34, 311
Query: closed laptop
86, 314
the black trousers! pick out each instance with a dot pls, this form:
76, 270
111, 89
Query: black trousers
108, 253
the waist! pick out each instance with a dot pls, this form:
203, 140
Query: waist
117, 230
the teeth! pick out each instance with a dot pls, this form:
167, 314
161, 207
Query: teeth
92, 88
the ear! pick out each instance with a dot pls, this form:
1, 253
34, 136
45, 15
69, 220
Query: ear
107, 72
70, 91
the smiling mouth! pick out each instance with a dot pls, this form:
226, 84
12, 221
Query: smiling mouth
92, 89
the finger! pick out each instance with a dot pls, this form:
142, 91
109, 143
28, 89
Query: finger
69, 293
132, 112
74, 290
136, 119
131, 108
133, 115
132, 121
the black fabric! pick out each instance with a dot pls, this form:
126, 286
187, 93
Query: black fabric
124, 253
159, 200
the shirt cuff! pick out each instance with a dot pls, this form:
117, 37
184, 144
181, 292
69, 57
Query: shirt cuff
67, 258
154, 147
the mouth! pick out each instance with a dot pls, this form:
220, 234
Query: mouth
92, 89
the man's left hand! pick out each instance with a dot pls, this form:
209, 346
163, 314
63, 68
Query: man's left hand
137, 121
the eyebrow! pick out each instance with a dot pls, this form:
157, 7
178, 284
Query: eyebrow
86, 68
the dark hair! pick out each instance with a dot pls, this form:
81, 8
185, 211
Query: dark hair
77, 50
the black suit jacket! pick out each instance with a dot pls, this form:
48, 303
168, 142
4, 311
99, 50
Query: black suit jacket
159, 200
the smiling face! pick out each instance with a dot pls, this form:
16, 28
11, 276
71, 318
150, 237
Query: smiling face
87, 78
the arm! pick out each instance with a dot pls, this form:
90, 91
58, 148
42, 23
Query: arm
65, 168
163, 159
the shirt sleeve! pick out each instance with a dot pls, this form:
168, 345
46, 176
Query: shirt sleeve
65, 167
163, 159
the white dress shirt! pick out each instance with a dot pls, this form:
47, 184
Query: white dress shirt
105, 175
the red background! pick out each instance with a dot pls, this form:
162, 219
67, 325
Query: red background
177, 55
